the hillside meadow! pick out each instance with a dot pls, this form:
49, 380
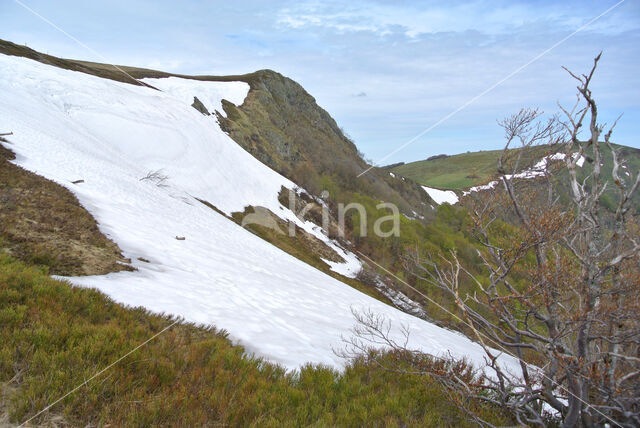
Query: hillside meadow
55, 336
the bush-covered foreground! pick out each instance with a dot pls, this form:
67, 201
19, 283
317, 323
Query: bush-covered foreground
53, 336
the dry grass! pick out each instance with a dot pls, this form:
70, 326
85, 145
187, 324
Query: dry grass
43, 223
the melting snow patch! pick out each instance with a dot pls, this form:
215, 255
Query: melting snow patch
441, 196
349, 268
400, 299
487, 186
538, 170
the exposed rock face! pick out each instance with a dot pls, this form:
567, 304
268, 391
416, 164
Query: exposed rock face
283, 126
197, 104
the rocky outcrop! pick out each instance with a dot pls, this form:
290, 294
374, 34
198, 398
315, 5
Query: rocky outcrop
282, 125
197, 104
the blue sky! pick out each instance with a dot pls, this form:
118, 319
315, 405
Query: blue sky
384, 70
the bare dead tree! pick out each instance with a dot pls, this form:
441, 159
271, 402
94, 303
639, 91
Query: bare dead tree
157, 177
561, 277
373, 340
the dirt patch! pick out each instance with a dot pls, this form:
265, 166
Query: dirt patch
43, 223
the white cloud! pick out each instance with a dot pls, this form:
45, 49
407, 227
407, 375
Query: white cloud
415, 60
425, 19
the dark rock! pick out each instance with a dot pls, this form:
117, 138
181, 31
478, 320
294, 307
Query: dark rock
197, 104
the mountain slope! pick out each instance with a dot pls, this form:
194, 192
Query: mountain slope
308, 244
459, 171
69, 126
465, 170
280, 124
42, 223
327, 167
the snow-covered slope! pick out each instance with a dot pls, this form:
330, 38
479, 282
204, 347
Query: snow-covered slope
69, 126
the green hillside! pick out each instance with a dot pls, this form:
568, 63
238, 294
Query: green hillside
459, 171
475, 168
453, 172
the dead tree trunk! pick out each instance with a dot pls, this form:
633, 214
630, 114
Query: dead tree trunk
561, 275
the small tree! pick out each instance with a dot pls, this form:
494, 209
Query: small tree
562, 275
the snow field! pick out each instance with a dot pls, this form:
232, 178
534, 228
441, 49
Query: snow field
69, 126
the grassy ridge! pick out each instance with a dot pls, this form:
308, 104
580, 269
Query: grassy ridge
55, 336
476, 168
463, 170
453, 172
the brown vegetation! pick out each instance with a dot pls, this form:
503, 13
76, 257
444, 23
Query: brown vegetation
563, 280
43, 223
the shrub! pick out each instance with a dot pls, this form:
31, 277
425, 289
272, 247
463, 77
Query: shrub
55, 336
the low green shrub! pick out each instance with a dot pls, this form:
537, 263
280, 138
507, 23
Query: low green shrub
54, 336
